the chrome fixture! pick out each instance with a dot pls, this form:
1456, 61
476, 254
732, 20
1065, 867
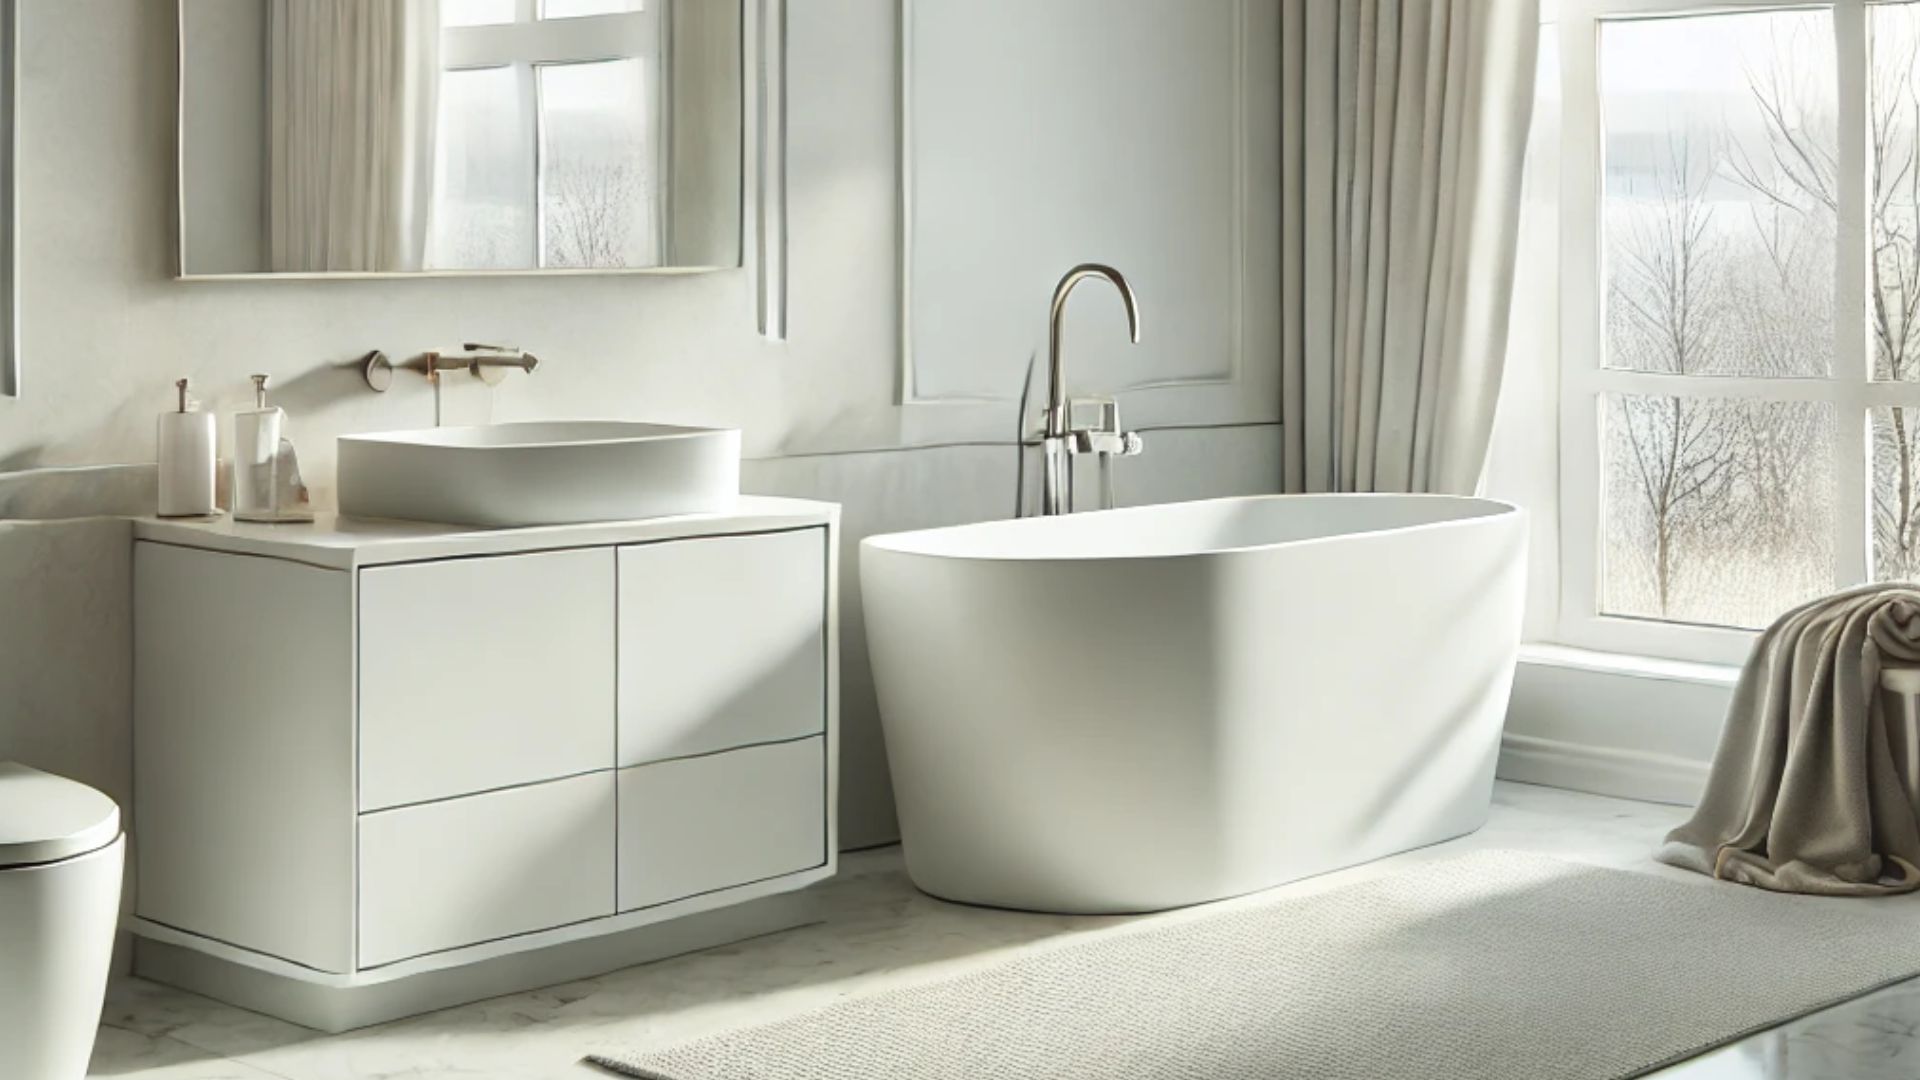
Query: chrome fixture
1060, 441
377, 370
488, 363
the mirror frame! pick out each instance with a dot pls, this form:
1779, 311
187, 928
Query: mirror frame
762, 119
10, 376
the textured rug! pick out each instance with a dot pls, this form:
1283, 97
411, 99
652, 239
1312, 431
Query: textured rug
1491, 966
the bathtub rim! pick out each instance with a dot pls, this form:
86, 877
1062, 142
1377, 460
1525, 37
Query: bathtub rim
892, 543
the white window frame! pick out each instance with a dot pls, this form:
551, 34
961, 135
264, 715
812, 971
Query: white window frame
532, 42
1849, 389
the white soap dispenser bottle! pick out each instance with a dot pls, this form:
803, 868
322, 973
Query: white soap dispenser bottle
186, 457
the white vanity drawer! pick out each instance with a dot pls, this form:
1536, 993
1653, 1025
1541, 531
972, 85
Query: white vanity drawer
722, 643
483, 673
463, 871
699, 824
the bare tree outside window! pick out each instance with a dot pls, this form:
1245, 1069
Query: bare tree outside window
1719, 262
1667, 309
1894, 109
1800, 174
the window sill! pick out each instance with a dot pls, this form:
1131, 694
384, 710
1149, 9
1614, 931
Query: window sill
1568, 657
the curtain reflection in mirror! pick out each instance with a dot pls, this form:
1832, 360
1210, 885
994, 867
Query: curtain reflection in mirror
352, 102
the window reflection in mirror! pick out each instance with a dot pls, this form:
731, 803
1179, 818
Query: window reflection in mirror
571, 9
393, 136
598, 168
478, 12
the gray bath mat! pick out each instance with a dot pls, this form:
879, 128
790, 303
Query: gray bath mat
1488, 966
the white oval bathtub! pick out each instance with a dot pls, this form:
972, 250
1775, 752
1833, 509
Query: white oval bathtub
1139, 709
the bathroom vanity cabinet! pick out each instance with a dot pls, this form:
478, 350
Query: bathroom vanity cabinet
382, 766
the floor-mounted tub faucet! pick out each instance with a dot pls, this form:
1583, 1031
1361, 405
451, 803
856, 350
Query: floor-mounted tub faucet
1061, 442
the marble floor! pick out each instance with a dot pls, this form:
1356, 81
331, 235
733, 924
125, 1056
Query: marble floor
881, 933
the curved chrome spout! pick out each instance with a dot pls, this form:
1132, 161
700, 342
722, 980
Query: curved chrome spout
1056, 496
1057, 418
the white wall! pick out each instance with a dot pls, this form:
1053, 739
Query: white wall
1631, 727
106, 331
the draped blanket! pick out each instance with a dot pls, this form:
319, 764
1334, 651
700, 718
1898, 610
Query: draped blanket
1804, 795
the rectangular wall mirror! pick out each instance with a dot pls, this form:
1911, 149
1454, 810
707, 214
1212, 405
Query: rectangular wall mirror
323, 137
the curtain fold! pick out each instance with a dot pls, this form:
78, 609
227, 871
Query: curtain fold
1404, 126
352, 101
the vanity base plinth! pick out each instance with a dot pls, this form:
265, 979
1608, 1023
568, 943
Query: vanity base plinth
336, 1003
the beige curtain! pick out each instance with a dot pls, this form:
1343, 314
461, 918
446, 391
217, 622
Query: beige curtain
352, 97
1404, 124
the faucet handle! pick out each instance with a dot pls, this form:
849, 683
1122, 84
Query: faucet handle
1105, 418
1114, 443
1105, 410
1103, 435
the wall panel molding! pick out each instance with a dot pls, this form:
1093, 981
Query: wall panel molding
1241, 234
768, 139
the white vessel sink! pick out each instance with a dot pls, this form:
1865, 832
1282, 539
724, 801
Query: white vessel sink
548, 473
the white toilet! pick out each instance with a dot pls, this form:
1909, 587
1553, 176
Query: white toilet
60, 861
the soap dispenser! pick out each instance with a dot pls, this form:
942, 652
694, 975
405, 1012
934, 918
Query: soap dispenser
186, 459
266, 472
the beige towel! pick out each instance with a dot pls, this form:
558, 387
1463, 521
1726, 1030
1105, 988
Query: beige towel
1803, 796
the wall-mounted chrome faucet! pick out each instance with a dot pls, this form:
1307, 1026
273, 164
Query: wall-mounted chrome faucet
488, 363
1060, 440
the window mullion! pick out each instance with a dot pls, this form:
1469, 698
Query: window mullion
1852, 361
1580, 325
535, 121
1598, 381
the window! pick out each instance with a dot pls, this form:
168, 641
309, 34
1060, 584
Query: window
547, 151
1740, 314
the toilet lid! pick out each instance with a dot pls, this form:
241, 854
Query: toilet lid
46, 818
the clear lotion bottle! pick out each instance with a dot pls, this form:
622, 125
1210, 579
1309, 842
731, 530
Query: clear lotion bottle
266, 483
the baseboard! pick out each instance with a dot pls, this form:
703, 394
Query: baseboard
1602, 770
334, 1008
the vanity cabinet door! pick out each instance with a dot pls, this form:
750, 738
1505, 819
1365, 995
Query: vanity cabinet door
699, 824
464, 871
722, 643
484, 673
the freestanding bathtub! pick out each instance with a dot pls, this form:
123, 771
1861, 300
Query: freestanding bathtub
1139, 709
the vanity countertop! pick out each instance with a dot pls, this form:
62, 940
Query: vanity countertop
338, 542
